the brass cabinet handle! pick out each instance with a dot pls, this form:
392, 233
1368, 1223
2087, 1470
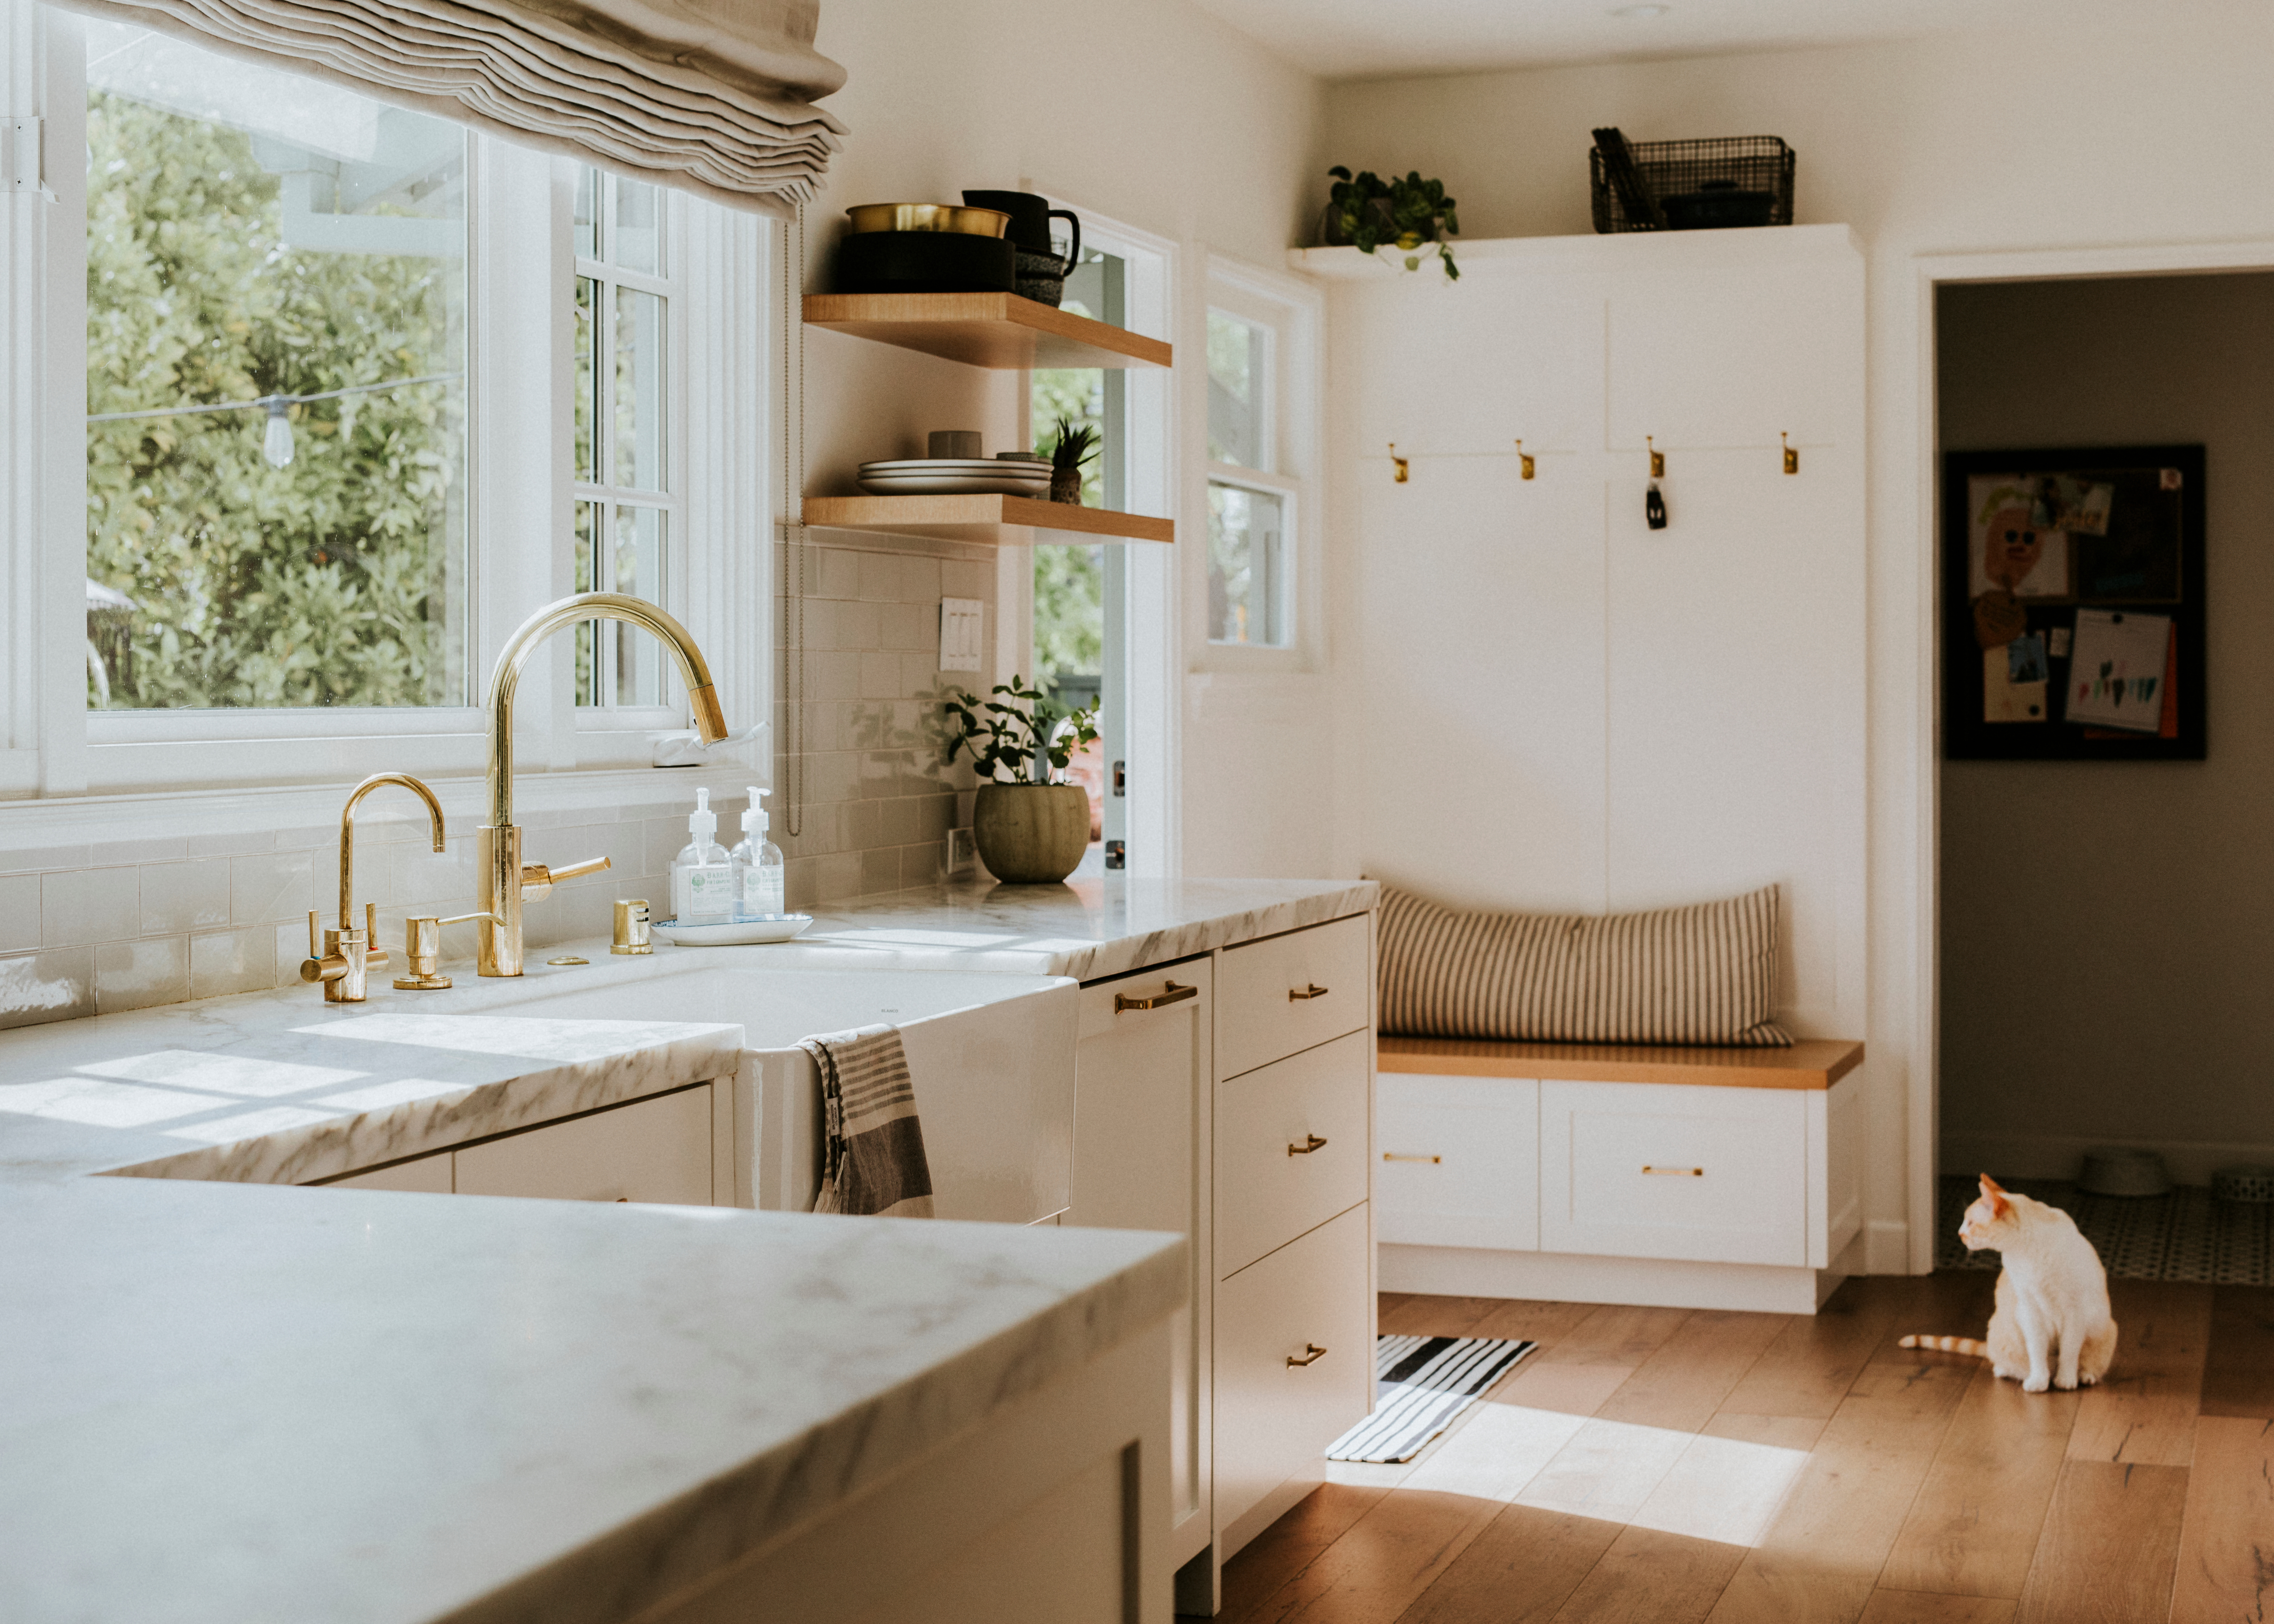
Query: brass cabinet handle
1313, 1143
1309, 989
1311, 1354
1172, 994
1391, 1155
1675, 1172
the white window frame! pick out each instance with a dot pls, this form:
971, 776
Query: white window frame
520, 518
1292, 312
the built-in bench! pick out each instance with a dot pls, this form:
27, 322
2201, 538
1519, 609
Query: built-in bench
1619, 1173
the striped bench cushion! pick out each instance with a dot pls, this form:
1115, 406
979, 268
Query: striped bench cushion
1702, 975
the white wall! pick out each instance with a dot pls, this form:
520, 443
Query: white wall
1994, 141
2104, 924
1155, 115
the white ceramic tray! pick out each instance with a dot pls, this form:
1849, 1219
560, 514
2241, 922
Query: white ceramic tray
740, 933
955, 485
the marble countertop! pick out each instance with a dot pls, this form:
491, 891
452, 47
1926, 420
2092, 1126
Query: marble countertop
231, 1399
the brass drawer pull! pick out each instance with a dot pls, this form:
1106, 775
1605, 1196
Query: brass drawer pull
1173, 994
1311, 1354
1313, 1142
1675, 1172
1391, 1155
1308, 990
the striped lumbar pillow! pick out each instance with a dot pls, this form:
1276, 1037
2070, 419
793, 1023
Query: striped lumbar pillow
1702, 975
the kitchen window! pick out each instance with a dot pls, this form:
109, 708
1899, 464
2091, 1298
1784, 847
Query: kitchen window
362, 389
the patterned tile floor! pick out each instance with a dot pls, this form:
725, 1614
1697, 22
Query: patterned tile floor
2183, 1236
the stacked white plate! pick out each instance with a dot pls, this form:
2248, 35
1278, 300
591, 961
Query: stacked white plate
956, 477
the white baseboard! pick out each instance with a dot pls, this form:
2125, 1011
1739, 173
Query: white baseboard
1887, 1247
1566, 1277
2049, 1155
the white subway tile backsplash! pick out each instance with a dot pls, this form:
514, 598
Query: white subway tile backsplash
181, 897
275, 885
228, 962
34, 859
233, 843
55, 985
134, 975
89, 905
880, 576
19, 913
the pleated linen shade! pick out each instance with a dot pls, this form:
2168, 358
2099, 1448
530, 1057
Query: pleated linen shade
712, 96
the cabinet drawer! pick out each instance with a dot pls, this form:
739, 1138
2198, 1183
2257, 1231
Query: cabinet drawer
1291, 1148
1278, 996
1668, 1170
650, 1150
430, 1175
1272, 1416
1458, 1162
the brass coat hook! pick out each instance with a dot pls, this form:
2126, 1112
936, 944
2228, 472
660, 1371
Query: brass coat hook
1523, 459
1399, 460
1657, 458
1791, 455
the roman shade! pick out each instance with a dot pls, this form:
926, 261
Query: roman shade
712, 96
1701, 974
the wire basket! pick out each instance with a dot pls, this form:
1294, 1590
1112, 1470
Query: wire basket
1728, 165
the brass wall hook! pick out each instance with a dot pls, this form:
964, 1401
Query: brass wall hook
1657, 458
1399, 461
1791, 455
1523, 460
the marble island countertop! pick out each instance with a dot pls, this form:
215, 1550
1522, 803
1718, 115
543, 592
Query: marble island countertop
226, 1401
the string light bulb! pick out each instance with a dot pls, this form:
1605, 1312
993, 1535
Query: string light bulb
276, 445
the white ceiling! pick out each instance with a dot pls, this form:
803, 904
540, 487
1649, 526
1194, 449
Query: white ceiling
1386, 39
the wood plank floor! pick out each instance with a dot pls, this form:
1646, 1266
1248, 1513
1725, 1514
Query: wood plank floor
1655, 1464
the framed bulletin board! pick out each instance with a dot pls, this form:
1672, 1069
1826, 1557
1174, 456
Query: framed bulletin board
2072, 605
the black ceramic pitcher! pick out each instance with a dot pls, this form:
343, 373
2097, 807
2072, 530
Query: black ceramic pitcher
1042, 272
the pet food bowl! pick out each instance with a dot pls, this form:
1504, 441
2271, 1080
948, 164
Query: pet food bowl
2255, 1185
2124, 1172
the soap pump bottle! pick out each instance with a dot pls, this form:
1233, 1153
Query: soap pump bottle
757, 864
702, 875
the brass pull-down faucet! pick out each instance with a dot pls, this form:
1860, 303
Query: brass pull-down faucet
345, 958
504, 881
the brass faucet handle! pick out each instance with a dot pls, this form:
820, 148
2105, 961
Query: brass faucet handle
374, 957
538, 879
422, 950
319, 965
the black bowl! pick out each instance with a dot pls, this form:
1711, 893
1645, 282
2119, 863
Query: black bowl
925, 262
1714, 206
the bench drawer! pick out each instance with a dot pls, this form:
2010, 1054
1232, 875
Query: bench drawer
1278, 996
1305, 1301
1670, 1171
1458, 1162
1291, 1148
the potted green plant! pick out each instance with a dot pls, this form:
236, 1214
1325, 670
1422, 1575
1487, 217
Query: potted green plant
1367, 212
1076, 444
1030, 829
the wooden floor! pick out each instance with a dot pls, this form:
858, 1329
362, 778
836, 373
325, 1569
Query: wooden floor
1660, 1465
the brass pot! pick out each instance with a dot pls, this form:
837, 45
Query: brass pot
926, 217
1031, 834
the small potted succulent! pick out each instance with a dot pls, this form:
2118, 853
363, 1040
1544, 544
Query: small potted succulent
1367, 212
1075, 446
1030, 829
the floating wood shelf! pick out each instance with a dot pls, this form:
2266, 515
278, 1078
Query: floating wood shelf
1014, 521
998, 330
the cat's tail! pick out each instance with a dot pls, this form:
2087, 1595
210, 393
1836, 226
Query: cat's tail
1948, 1344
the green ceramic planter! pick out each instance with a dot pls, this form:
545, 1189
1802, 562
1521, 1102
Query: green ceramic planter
1031, 834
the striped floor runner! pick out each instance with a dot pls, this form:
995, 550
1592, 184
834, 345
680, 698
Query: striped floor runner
1422, 1383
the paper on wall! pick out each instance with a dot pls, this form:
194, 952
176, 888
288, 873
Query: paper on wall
2116, 676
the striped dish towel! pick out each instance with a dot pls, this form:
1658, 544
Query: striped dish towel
1421, 1386
872, 1144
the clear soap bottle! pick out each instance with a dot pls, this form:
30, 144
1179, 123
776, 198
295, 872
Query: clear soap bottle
757, 864
703, 876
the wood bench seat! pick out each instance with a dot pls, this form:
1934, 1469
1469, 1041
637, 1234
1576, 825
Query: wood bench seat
1816, 1062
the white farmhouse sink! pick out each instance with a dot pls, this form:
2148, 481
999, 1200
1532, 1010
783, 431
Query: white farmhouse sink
992, 1057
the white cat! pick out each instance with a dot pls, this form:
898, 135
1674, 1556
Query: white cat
2052, 1326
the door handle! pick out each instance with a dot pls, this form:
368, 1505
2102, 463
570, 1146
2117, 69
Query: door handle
1308, 990
1391, 1155
1172, 994
1313, 1143
1311, 1354
1675, 1172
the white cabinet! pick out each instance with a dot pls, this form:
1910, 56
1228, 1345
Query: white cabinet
1290, 1149
1669, 1170
655, 1149
1459, 1162
1140, 1161
1287, 993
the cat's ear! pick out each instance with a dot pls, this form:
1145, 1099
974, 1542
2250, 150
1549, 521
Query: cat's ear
1998, 1205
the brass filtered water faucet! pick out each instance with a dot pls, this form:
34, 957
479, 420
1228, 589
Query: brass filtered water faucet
345, 958
504, 880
